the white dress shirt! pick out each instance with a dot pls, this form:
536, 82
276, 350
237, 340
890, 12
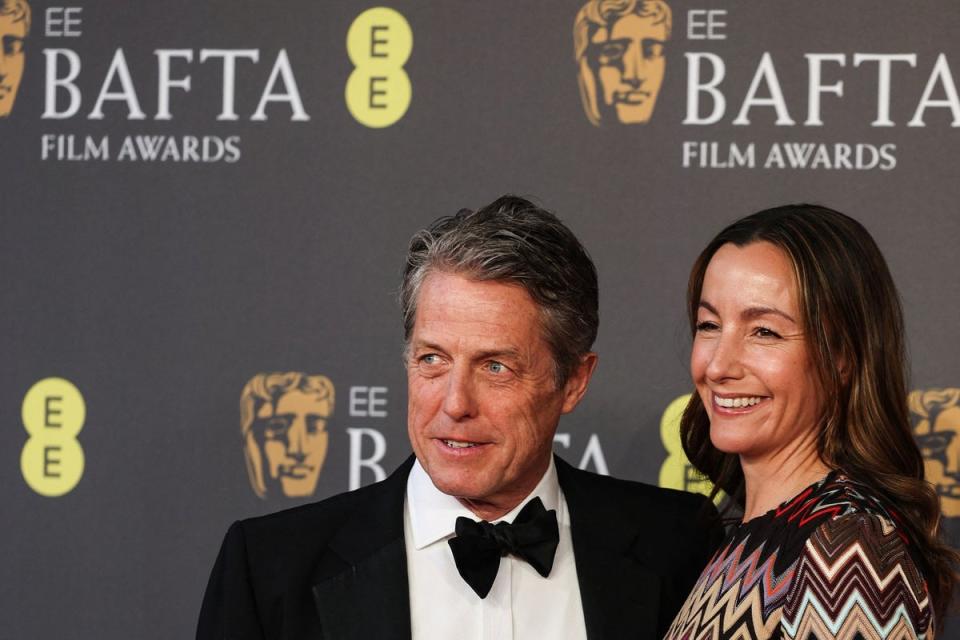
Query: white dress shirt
522, 605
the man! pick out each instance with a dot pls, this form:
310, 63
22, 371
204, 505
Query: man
937, 430
14, 28
619, 50
283, 418
500, 314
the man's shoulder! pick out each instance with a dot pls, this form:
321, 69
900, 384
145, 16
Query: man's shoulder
318, 521
665, 528
635, 504
630, 492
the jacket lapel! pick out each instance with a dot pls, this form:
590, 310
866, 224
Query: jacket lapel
620, 595
360, 583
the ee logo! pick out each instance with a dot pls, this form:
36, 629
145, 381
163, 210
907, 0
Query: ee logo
52, 459
379, 43
676, 472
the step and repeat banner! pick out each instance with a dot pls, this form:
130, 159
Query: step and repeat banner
204, 209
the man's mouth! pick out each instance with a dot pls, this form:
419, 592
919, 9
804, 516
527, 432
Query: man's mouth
460, 444
631, 97
294, 470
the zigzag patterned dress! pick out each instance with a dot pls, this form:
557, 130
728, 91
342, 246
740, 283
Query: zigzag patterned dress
831, 563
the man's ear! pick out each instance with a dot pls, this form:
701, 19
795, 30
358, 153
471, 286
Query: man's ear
576, 385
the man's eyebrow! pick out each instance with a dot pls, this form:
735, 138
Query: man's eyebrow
485, 354
425, 344
505, 354
752, 313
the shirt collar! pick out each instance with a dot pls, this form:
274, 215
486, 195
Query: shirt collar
433, 514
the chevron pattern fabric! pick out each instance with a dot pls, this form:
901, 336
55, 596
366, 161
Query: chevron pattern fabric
831, 563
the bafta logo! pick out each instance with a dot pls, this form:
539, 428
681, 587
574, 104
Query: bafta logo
619, 51
283, 419
14, 28
936, 414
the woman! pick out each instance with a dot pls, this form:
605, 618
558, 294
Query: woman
801, 417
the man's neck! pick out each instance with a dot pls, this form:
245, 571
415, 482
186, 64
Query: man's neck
497, 508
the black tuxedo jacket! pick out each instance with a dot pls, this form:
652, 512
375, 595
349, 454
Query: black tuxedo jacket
337, 568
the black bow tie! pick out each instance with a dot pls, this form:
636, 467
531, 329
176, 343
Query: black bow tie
478, 546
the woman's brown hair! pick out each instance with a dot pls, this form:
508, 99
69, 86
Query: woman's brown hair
853, 321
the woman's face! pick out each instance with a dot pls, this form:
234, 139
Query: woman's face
750, 361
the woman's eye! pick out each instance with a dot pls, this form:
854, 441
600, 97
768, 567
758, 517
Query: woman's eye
706, 326
763, 332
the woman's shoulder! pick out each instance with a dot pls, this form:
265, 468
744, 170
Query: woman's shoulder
858, 569
841, 496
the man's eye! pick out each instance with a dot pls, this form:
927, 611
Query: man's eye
430, 358
315, 424
496, 367
276, 427
652, 49
12, 46
933, 444
611, 52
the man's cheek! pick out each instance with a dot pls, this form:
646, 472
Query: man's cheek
609, 80
275, 453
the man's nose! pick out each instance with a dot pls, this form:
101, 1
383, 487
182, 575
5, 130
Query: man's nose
952, 463
631, 66
725, 359
459, 401
295, 438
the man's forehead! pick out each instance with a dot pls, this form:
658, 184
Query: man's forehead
638, 26
448, 337
12, 25
296, 401
948, 420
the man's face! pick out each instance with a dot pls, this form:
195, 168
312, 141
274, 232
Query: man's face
483, 400
939, 442
12, 35
293, 439
629, 62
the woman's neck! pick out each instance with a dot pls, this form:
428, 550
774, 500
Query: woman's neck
775, 479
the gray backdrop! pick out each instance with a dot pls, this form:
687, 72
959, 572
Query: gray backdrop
159, 287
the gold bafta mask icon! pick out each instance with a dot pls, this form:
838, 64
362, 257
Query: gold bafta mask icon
619, 50
936, 414
14, 28
283, 418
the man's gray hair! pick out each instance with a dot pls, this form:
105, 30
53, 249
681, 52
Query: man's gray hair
513, 240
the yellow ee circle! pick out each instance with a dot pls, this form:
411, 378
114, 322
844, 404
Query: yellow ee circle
676, 472
670, 425
52, 466
378, 98
54, 406
380, 36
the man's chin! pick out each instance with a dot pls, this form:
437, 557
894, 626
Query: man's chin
634, 113
460, 485
298, 487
